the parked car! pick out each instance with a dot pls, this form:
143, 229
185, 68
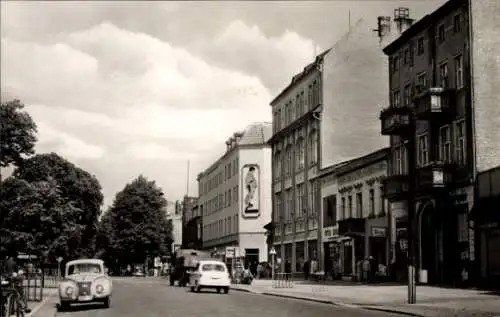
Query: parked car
85, 281
210, 274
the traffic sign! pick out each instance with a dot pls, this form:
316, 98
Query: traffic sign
273, 251
59, 259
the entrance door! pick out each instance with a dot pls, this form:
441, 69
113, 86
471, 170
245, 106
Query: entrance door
428, 243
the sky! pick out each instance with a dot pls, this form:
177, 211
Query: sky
126, 88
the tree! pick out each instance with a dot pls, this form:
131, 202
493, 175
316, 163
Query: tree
79, 191
18, 133
136, 224
35, 216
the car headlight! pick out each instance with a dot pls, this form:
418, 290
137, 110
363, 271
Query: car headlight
69, 290
99, 289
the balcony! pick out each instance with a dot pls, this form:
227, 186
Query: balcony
396, 187
434, 176
434, 103
395, 121
352, 227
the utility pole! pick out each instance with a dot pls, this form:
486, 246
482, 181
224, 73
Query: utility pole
412, 288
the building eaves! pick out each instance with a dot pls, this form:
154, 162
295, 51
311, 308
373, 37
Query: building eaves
360, 162
422, 24
296, 78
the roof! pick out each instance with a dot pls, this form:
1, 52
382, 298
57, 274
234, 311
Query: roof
308, 69
422, 24
257, 133
82, 261
363, 161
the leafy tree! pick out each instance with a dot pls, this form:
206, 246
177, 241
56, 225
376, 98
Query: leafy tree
35, 216
79, 192
136, 225
18, 133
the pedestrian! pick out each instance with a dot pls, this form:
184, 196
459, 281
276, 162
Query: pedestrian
288, 269
307, 269
366, 269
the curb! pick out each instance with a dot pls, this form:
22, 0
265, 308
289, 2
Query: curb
329, 302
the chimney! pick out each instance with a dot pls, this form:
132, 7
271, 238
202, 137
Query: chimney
237, 136
383, 27
402, 19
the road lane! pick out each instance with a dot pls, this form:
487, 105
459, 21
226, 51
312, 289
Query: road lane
152, 298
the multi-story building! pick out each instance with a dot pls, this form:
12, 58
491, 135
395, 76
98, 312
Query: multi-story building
327, 115
356, 223
442, 101
174, 214
295, 144
191, 231
235, 200
189, 208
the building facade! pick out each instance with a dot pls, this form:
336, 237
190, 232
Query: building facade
356, 222
174, 214
192, 229
430, 107
295, 141
235, 201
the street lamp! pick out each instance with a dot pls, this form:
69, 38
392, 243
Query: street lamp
412, 288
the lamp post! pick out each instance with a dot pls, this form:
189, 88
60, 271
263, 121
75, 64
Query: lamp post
411, 225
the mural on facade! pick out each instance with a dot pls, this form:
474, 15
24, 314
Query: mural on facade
251, 189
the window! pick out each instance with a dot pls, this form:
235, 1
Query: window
457, 24
460, 142
443, 75
310, 97
288, 160
344, 211
423, 150
312, 147
459, 72
330, 211
277, 212
441, 37
399, 160
349, 206
382, 201
407, 95
291, 113
395, 63
310, 198
302, 103
299, 154
237, 193
372, 201
359, 205
396, 99
229, 197
277, 165
406, 56
420, 46
229, 171
445, 144
298, 113
225, 200
300, 199
421, 82
289, 205
213, 267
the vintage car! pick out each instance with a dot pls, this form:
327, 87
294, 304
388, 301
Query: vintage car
210, 274
85, 281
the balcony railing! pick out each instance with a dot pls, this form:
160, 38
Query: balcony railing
396, 187
434, 103
395, 120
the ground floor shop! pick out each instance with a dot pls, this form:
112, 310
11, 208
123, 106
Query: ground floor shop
295, 257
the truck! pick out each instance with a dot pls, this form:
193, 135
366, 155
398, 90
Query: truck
184, 262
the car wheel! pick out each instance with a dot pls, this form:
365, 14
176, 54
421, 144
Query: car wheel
192, 289
226, 290
198, 289
107, 302
218, 289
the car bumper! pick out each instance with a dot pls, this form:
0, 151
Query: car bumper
213, 283
85, 299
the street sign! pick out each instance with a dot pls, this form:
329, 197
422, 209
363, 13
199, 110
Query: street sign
273, 251
230, 252
59, 259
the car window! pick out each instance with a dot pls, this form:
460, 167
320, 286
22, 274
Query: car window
84, 268
213, 267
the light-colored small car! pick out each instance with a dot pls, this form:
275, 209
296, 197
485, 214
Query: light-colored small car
210, 274
85, 281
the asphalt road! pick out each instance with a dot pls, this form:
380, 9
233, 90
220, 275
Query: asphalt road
145, 297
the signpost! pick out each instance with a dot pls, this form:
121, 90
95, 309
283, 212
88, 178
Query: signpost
59, 260
273, 254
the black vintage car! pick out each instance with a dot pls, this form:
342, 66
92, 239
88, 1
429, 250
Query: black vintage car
183, 262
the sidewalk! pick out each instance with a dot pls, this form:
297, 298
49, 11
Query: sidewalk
47, 307
431, 301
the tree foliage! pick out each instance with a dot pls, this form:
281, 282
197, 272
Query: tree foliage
135, 226
18, 133
49, 202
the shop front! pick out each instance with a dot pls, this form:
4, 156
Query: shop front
377, 244
353, 248
332, 244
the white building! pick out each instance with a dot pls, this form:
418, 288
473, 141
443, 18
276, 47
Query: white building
175, 215
228, 221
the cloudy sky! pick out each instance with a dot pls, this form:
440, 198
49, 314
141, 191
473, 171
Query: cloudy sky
129, 88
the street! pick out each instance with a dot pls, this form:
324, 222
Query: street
145, 297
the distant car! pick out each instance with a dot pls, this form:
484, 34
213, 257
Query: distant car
85, 281
138, 273
210, 274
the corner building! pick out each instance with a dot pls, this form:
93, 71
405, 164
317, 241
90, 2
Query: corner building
231, 228
441, 72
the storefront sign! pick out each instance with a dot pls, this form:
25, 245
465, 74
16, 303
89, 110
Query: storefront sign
378, 232
330, 232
